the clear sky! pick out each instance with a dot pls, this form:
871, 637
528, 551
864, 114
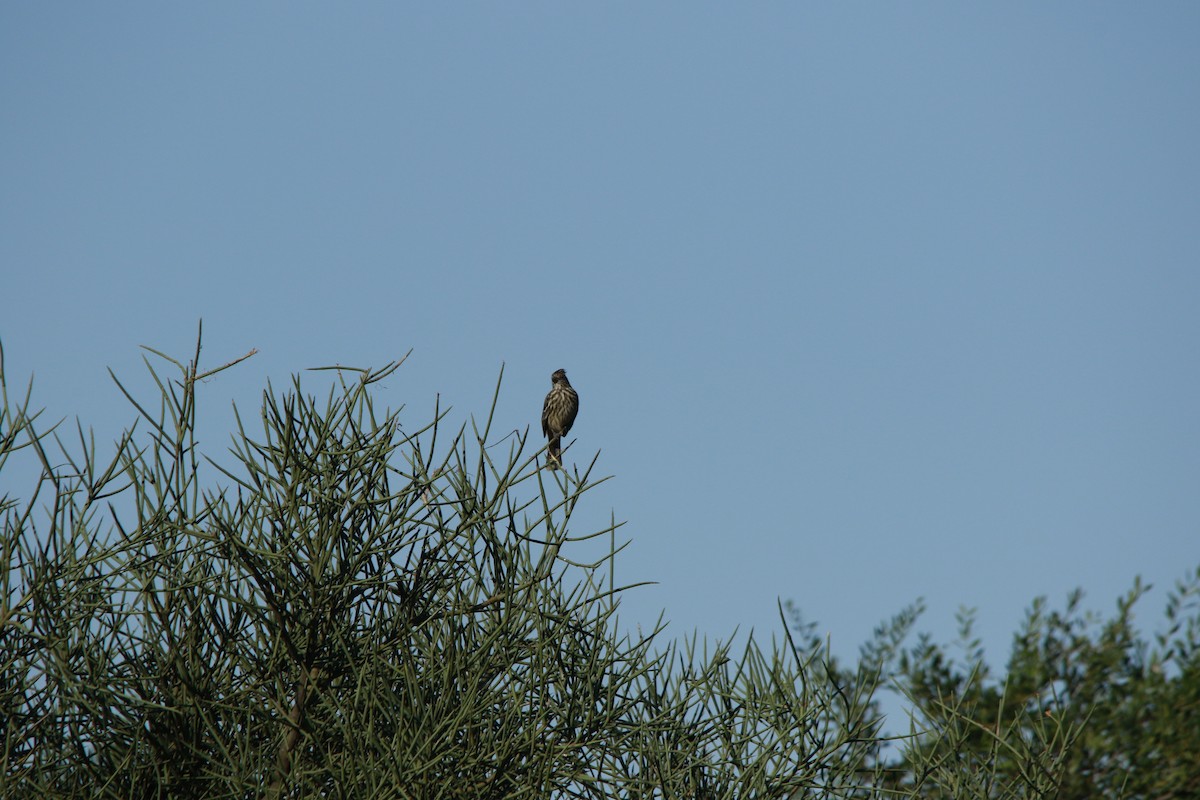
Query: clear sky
864, 301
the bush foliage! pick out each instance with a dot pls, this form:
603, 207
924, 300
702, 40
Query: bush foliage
344, 605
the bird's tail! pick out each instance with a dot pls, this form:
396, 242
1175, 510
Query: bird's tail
554, 453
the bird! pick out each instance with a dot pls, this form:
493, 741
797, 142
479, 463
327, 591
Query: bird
558, 415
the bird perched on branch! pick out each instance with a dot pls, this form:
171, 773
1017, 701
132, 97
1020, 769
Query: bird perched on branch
558, 415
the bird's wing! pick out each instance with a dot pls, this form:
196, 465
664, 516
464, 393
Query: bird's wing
573, 413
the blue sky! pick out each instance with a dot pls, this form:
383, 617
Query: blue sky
865, 302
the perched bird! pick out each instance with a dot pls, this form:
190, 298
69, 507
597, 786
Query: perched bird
558, 415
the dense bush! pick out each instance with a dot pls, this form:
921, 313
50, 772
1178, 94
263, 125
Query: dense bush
344, 605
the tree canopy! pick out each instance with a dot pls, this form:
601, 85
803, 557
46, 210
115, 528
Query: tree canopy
347, 604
